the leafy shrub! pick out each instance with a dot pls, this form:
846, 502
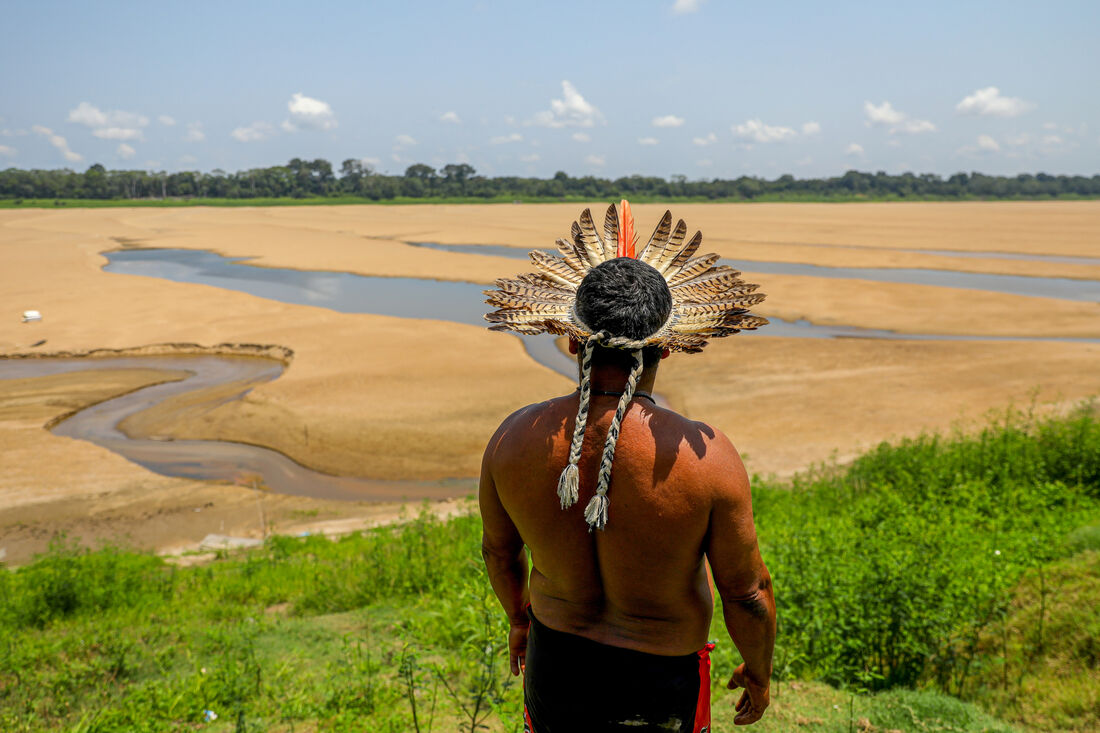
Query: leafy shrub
887, 573
68, 581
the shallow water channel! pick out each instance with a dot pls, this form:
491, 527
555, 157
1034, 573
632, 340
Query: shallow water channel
210, 459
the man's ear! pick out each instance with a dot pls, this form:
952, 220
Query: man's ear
574, 346
665, 353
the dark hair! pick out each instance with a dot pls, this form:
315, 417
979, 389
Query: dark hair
628, 298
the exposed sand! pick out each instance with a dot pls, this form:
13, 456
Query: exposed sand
392, 398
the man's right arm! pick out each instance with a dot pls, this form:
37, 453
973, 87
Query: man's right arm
742, 580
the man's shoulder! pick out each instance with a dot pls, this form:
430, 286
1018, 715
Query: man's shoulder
705, 450
518, 425
696, 431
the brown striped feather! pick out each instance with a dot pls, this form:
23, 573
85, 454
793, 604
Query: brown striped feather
507, 301
689, 249
572, 256
589, 240
555, 268
659, 238
674, 247
704, 292
723, 273
561, 295
690, 269
610, 233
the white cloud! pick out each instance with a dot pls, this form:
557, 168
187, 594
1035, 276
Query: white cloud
58, 142
758, 131
572, 110
854, 149
253, 133
989, 101
668, 121
113, 125
1016, 141
709, 139
515, 137
194, 133
596, 160
1051, 140
704, 163
308, 113
647, 141
811, 128
87, 114
166, 120
915, 127
803, 162
188, 159
985, 142
681, 7
884, 115
404, 141
451, 117
532, 158
118, 133
582, 137
1050, 125
124, 151
372, 163
7, 151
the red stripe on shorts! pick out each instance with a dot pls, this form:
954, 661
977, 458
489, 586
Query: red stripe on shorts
702, 707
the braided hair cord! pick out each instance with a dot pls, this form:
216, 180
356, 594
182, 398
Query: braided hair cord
569, 481
596, 511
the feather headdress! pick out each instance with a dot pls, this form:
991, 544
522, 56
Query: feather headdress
708, 301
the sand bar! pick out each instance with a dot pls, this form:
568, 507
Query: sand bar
392, 398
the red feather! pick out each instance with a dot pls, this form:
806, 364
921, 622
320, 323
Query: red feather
626, 233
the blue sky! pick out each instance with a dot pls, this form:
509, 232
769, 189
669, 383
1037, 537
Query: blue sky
703, 88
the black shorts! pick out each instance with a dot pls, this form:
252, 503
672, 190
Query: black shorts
576, 685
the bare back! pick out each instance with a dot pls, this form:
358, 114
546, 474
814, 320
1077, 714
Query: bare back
642, 582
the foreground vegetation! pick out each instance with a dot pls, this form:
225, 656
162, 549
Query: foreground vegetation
942, 584
301, 180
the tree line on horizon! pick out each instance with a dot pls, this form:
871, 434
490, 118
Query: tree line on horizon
317, 179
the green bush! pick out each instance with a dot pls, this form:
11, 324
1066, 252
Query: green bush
887, 573
69, 581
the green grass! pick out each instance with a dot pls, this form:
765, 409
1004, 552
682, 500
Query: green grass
942, 584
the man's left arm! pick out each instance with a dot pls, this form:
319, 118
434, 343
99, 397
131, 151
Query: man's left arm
506, 562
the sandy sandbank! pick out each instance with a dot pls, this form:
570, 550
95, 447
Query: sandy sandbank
392, 398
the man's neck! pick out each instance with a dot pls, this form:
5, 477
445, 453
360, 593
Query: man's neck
606, 378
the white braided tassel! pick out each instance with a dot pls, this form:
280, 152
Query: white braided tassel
569, 485
596, 512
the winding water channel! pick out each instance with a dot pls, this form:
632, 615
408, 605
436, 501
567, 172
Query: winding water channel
459, 302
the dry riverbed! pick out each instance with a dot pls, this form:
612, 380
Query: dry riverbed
393, 398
